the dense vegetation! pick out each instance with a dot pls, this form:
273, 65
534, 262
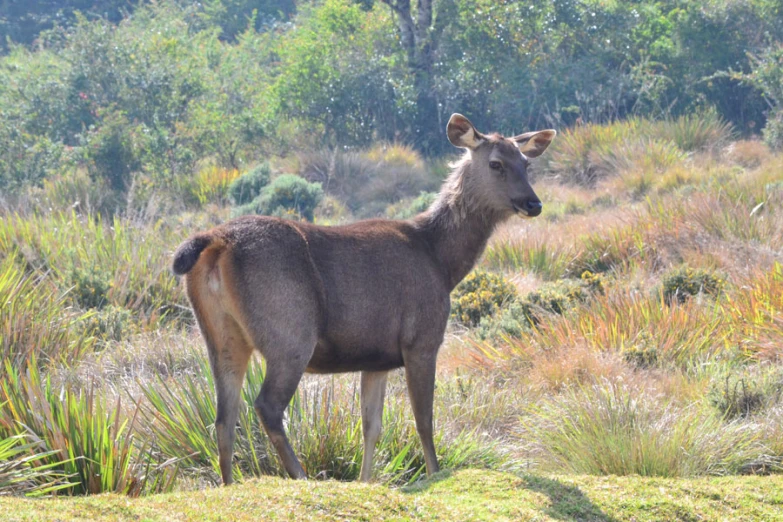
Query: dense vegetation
177, 86
635, 328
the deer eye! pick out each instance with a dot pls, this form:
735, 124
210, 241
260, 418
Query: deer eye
495, 165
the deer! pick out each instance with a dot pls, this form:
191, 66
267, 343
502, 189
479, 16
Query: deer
371, 296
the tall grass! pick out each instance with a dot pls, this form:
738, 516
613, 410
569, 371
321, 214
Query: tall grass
35, 319
130, 257
606, 429
323, 424
588, 153
78, 434
21, 470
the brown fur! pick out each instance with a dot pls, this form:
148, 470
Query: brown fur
371, 296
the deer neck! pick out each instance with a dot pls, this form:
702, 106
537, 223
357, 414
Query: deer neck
458, 226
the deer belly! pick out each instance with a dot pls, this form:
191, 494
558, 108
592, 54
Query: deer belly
329, 357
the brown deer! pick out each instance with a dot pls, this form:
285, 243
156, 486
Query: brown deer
371, 296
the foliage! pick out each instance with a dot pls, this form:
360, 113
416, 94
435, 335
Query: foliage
585, 154
212, 184
406, 209
369, 180
607, 429
683, 282
21, 470
741, 394
323, 427
83, 437
36, 320
247, 187
480, 294
287, 196
111, 323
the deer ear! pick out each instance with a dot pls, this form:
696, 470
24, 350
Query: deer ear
533, 144
462, 133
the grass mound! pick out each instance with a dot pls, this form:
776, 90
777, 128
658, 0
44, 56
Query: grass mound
464, 495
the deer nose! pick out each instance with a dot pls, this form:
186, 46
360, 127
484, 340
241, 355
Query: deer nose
533, 207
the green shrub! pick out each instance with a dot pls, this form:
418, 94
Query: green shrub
683, 282
555, 298
90, 286
111, 323
642, 352
112, 151
408, 208
287, 196
247, 187
480, 294
509, 322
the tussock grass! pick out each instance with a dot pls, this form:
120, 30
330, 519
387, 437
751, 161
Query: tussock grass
35, 320
586, 154
131, 258
607, 429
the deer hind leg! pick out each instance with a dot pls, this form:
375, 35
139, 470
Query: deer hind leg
229, 354
373, 391
287, 351
420, 376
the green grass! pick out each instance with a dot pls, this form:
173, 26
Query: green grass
463, 495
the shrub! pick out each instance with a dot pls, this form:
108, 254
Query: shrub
287, 196
407, 208
681, 283
247, 187
554, 297
480, 294
332, 211
89, 286
642, 353
112, 151
111, 323
509, 322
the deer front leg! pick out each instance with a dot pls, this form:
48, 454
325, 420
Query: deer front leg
373, 391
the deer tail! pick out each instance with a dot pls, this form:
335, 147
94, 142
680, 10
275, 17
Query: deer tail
187, 254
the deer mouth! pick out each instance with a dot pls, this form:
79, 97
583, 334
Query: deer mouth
528, 208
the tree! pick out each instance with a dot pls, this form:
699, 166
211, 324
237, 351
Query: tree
420, 40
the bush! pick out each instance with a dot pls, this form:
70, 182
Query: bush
369, 181
554, 297
111, 323
287, 196
682, 283
90, 286
407, 208
479, 295
247, 187
642, 352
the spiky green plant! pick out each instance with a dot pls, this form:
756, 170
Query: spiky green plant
78, 432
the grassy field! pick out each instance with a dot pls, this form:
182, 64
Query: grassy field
618, 358
463, 495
